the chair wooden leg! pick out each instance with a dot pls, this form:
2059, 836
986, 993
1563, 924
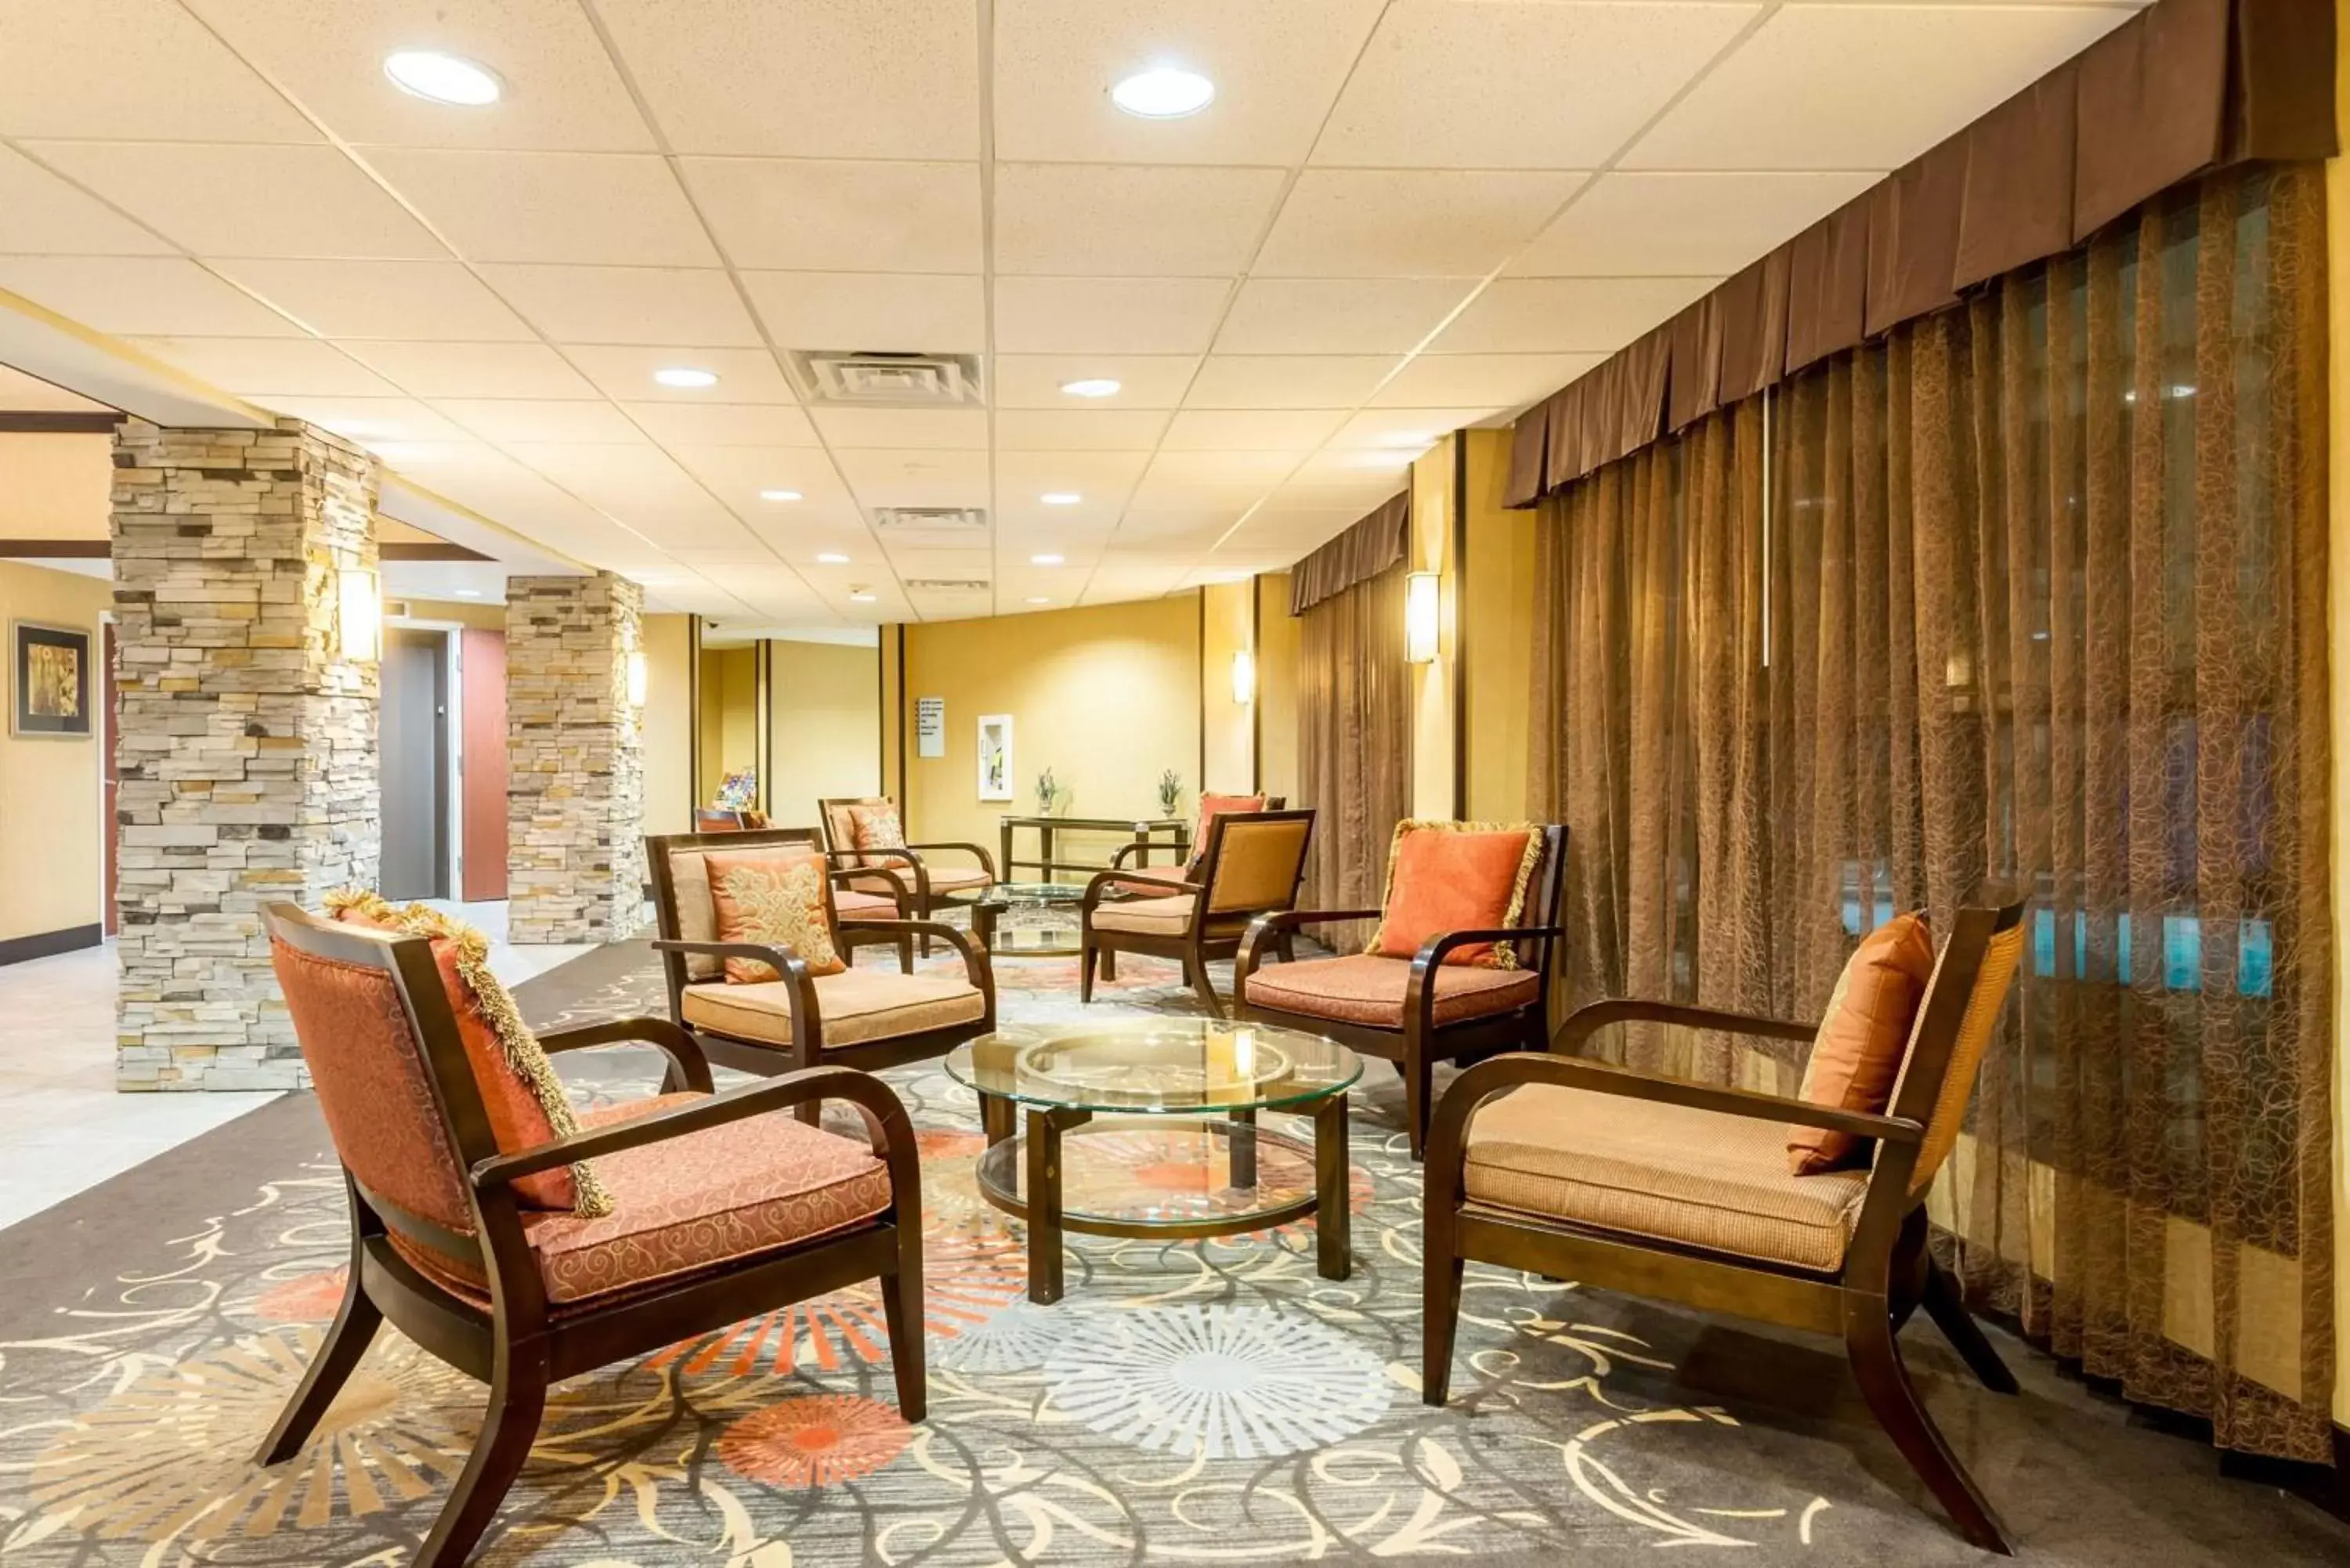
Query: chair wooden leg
1089, 958
905, 955
901, 1305
346, 1342
1196, 968
1418, 1082
1440, 1313
1885, 1383
517, 1400
1949, 1310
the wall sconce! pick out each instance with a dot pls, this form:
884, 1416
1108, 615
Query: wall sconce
1422, 616
1243, 676
358, 614
639, 680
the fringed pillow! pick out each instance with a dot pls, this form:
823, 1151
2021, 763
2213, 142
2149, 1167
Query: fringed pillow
1456, 877
774, 896
876, 827
524, 1098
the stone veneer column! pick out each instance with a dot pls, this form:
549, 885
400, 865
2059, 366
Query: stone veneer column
575, 760
247, 740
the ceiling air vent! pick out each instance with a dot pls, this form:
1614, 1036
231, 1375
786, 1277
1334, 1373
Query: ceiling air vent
840, 378
946, 585
932, 519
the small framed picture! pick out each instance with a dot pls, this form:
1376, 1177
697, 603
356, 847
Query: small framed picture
995, 756
48, 680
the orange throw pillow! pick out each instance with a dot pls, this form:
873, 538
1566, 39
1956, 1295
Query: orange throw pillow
1456, 877
773, 895
520, 1092
1864, 1036
876, 827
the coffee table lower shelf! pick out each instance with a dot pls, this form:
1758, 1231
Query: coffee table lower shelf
1025, 1175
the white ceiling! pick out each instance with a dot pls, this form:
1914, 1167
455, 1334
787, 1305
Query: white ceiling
1398, 217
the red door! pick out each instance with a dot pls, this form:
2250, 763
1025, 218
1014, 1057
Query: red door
483, 789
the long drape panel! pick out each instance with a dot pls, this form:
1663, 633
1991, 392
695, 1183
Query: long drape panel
1353, 751
2037, 600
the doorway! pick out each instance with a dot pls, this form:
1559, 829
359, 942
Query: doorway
413, 746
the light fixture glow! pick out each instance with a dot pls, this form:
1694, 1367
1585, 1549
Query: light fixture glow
639, 679
1045, 560
1060, 498
1420, 617
779, 495
861, 597
1039, 599
685, 376
1243, 676
358, 614
443, 78
1167, 92
831, 558
1091, 387
469, 593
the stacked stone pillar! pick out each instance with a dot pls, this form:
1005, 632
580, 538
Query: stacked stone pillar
575, 760
247, 738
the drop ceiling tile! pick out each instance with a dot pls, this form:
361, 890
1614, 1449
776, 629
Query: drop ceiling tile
561, 90
1403, 223
1080, 430
30, 394
1627, 225
42, 213
1492, 84
1250, 430
253, 367
245, 201
386, 299
1863, 86
1379, 473
829, 215
723, 424
1558, 314
380, 424
1107, 316
1412, 429
158, 297
503, 419
1287, 380
626, 304
1297, 316
1102, 478
622, 477
886, 312
160, 76
885, 478
737, 474
912, 430
475, 369
605, 209
625, 374
1130, 220
1171, 528
1488, 380
1276, 68
1145, 381
901, 77
1232, 468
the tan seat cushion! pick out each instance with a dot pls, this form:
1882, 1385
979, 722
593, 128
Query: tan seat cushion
1170, 917
1149, 881
1697, 1178
1364, 987
856, 1005
943, 879
851, 905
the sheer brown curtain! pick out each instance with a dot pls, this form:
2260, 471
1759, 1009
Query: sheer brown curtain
1354, 751
2037, 599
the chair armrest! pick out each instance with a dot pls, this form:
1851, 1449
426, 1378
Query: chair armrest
1275, 927
986, 861
1588, 1021
1420, 990
1101, 882
688, 1067
848, 876
886, 1122
975, 961
778, 956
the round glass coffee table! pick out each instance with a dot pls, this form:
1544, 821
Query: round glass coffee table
1147, 1128
1043, 920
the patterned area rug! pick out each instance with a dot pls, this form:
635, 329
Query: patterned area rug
1197, 1402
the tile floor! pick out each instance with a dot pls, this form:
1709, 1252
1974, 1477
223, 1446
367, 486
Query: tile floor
64, 1129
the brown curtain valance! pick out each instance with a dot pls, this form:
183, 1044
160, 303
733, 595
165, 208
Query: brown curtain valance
1364, 550
2182, 87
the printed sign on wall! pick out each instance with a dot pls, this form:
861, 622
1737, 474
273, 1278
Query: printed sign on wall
930, 726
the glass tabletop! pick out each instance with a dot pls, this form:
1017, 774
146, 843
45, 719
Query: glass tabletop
1172, 1066
1005, 894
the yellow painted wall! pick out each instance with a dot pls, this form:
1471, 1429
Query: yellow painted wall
728, 714
1228, 728
2337, 218
52, 849
1105, 696
1497, 650
1431, 690
825, 703
669, 723
1276, 687
56, 486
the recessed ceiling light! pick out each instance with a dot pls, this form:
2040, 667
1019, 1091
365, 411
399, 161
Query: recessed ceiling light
1038, 599
779, 495
862, 597
1167, 93
469, 593
1060, 498
443, 78
685, 376
1091, 387
832, 559
1044, 560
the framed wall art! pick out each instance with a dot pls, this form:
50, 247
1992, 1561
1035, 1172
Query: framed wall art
49, 680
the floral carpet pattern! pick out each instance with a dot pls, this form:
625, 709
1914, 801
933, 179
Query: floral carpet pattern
1186, 1402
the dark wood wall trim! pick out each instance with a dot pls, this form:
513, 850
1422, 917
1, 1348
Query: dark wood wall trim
1256, 685
1460, 550
905, 733
694, 782
1200, 664
48, 944
57, 549
762, 722
56, 421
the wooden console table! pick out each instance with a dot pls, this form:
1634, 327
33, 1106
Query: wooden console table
1145, 831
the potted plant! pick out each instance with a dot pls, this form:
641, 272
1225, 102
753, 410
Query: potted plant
1171, 791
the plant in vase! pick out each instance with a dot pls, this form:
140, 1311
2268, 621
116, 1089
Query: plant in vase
1171, 791
1048, 793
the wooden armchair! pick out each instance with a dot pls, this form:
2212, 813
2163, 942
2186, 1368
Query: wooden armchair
1250, 865
1628, 1181
862, 1017
931, 884
1413, 1012
716, 1214
1143, 880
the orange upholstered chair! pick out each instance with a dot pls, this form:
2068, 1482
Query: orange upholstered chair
1249, 865
867, 830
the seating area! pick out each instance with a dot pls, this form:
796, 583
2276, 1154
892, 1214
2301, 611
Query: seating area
1142, 783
